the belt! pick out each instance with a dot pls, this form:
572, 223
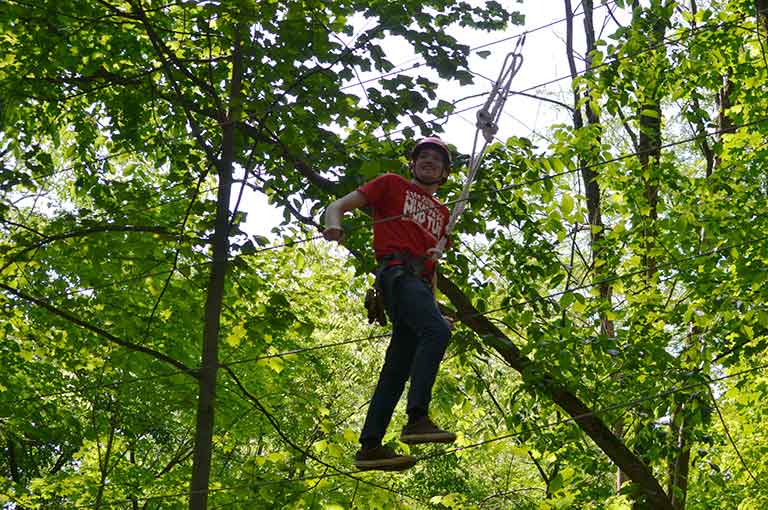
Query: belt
416, 265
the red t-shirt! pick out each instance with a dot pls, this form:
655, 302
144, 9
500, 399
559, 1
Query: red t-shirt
406, 218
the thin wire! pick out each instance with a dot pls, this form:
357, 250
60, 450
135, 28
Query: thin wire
529, 182
650, 48
666, 41
669, 265
534, 427
730, 438
293, 352
672, 264
251, 485
574, 419
282, 354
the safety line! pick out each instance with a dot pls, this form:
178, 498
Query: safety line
487, 124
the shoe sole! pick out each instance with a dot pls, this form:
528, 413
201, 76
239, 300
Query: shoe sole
446, 437
385, 465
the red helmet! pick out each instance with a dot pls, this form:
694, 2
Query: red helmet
434, 142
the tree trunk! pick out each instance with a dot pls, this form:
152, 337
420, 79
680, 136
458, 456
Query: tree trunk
13, 463
588, 174
679, 465
201, 467
761, 6
104, 465
649, 154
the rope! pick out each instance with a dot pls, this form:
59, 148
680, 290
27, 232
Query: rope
487, 123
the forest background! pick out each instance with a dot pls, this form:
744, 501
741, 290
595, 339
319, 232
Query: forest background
608, 284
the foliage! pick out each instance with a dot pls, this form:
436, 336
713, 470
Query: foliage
119, 121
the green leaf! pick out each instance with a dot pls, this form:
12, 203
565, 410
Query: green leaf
566, 205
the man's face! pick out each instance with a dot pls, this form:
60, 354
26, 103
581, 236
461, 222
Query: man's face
429, 164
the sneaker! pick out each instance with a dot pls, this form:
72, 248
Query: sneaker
424, 431
383, 458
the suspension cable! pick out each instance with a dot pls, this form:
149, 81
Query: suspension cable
487, 124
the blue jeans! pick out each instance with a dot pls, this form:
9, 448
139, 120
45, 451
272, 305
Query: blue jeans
420, 337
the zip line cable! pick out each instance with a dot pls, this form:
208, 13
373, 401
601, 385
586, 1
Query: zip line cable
291, 352
372, 337
474, 48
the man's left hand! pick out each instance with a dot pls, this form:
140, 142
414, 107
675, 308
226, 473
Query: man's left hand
435, 253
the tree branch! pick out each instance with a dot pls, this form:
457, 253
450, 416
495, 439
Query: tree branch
605, 439
88, 231
298, 163
100, 332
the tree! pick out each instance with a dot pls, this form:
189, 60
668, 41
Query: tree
142, 101
130, 131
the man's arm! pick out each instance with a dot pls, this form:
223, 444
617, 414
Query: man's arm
335, 211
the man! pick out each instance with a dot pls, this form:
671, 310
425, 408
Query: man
408, 223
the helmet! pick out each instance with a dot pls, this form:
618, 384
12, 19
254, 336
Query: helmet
436, 143
433, 142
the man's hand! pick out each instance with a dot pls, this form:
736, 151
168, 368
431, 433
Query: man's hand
435, 253
335, 211
334, 234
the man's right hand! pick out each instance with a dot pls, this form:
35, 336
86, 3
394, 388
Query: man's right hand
333, 234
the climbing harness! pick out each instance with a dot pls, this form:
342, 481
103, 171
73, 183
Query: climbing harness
487, 124
400, 263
